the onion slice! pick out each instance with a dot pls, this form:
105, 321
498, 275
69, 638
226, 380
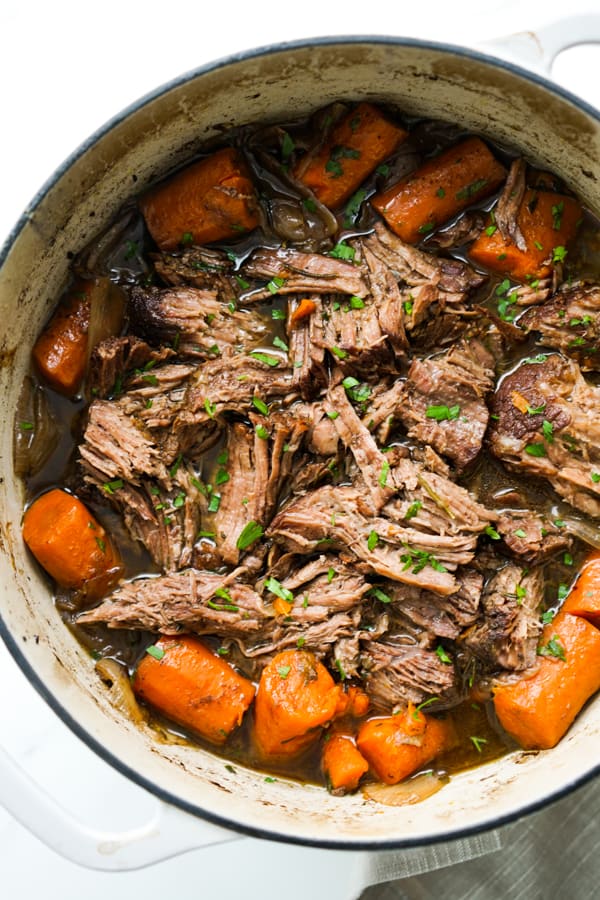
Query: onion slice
408, 792
120, 691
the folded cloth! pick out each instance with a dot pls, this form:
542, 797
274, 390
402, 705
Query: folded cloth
549, 854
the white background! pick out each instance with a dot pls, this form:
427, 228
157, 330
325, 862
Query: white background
65, 68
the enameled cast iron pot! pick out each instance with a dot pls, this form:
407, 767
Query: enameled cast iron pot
509, 105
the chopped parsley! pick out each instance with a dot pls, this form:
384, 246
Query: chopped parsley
441, 413
156, 652
477, 742
280, 344
383, 475
378, 594
250, 533
278, 314
553, 648
263, 432
260, 405
265, 358
413, 509
110, 487
559, 254
471, 189
356, 391
275, 587
274, 284
357, 303
210, 408
492, 533
214, 503
284, 671
343, 251
535, 449
443, 656
372, 540
418, 559
341, 354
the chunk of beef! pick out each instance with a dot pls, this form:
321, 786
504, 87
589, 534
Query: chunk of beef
343, 517
546, 422
224, 385
301, 273
115, 358
307, 349
530, 536
507, 209
443, 401
118, 446
165, 520
373, 465
184, 601
354, 337
444, 617
199, 267
402, 670
464, 230
570, 322
507, 635
387, 301
199, 322
258, 468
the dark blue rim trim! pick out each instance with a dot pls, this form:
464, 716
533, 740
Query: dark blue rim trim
9, 639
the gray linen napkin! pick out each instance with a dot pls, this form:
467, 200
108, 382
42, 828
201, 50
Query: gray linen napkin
554, 853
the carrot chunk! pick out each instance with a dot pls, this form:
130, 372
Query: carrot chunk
356, 146
584, 599
548, 223
439, 189
70, 544
60, 352
397, 746
343, 764
303, 310
538, 709
296, 696
354, 702
211, 200
193, 687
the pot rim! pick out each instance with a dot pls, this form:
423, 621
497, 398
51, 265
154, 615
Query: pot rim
10, 641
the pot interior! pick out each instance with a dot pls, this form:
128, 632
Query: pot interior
163, 131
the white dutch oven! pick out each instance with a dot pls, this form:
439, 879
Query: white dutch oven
498, 99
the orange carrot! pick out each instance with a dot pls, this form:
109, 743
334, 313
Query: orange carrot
303, 311
354, 702
343, 765
60, 352
70, 544
193, 687
356, 146
396, 746
584, 599
296, 696
211, 200
548, 223
439, 189
538, 709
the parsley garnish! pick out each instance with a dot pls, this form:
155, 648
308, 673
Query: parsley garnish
441, 413
553, 648
156, 652
251, 532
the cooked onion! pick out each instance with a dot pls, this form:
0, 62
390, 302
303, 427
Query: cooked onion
120, 691
107, 312
407, 792
36, 431
585, 531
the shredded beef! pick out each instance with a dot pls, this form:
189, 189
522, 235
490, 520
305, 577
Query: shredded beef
301, 273
506, 637
187, 600
197, 321
546, 423
400, 671
570, 322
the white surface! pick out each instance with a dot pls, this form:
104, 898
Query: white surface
65, 69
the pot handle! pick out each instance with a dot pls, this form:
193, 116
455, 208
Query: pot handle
537, 49
169, 832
